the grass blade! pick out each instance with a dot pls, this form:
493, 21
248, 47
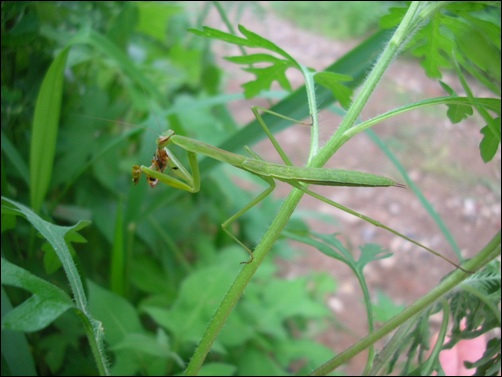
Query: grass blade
45, 130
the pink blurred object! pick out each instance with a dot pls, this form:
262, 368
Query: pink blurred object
452, 360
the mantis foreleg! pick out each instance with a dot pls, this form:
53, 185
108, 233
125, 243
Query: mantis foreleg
191, 183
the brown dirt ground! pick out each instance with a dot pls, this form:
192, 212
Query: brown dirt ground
443, 159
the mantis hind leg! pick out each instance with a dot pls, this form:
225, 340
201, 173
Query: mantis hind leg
374, 222
248, 206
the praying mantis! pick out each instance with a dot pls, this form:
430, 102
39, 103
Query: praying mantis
297, 177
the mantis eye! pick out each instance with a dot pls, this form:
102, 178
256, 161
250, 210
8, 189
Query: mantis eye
152, 181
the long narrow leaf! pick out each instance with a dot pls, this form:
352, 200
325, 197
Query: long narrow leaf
45, 130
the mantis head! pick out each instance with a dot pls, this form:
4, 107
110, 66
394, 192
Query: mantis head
163, 140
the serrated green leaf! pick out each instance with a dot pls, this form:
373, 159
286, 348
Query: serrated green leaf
371, 253
432, 47
265, 76
337, 252
254, 58
393, 18
259, 41
329, 245
457, 28
355, 64
209, 32
334, 82
491, 140
55, 234
457, 113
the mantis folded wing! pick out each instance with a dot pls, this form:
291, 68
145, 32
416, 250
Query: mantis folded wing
298, 177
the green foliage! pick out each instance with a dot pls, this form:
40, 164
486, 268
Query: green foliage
334, 82
264, 76
144, 270
385, 308
45, 129
354, 18
472, 314
464, 37
49, 302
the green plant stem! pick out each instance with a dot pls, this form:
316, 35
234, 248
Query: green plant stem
95, 334
489, 252
240, 283
369, 314
383, 62
273, 233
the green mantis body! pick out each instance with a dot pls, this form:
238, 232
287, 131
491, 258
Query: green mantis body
298, 177
317, 176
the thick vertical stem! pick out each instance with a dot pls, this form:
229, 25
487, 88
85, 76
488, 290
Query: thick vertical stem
240, 283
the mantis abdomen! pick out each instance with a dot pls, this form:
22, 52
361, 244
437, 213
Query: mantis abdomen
318, 176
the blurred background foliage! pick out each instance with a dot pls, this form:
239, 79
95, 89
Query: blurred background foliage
156, 262
354, 18
133, 71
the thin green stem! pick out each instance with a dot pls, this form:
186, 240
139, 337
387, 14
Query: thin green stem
95, 334
489, 103
369, 314
385, 59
